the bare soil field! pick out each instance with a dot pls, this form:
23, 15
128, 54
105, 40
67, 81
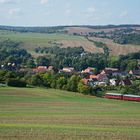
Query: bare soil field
117, 49
85, 30
87, 45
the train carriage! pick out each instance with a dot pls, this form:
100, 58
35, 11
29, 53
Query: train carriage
122, 97
114, 96
131, 98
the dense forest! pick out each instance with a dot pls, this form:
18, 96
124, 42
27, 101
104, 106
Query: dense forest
70, 57
56, 29
11, 54
128, 39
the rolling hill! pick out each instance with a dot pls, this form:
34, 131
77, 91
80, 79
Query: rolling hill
40, 114
72, 36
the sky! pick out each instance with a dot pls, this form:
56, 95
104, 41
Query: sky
69, 12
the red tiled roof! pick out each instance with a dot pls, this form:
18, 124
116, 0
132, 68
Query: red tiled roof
93, 77
40, 69
88, 70
135, 72
85, 81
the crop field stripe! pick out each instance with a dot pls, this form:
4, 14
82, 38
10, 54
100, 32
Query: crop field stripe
37, 114
93, 128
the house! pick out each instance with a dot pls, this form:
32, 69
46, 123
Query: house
94, 77
88, 82
67, 70
125, 82
102, 84
113, 82
111, 71
40, 69
134, 72
103, 78
94, 80
85, 81
50, 68
123, 74
89, 70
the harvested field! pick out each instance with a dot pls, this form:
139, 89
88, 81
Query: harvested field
87, 45
85, 30
117, 49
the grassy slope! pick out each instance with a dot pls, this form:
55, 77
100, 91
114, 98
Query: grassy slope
40, 114
34, 40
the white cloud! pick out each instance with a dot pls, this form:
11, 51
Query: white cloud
9, 1
90, 12
47, 14
44, 1
15, 11
6, 1
68, 12
123, 14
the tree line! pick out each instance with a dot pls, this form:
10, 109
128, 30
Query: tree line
70, 57
12, 53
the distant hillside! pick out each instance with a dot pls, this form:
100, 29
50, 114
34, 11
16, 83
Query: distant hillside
30, 41
121, 39
75, 28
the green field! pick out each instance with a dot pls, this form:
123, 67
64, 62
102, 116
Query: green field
34, 40
48, 114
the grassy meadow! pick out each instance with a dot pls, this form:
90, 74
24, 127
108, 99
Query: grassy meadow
30, 41
49, 114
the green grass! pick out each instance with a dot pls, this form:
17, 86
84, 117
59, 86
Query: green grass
34, 40
40, 114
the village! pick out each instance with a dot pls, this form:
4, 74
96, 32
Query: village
90, 77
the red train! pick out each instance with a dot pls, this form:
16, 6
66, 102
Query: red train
122, 97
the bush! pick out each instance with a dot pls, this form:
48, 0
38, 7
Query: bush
128, 90
97, 91
83, 88
16, 83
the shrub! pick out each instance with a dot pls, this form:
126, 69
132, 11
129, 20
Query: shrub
97, 91
16, 83
83, 88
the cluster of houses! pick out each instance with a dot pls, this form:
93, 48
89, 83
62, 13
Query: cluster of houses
108, 76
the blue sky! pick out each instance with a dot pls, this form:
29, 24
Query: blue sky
69, 12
